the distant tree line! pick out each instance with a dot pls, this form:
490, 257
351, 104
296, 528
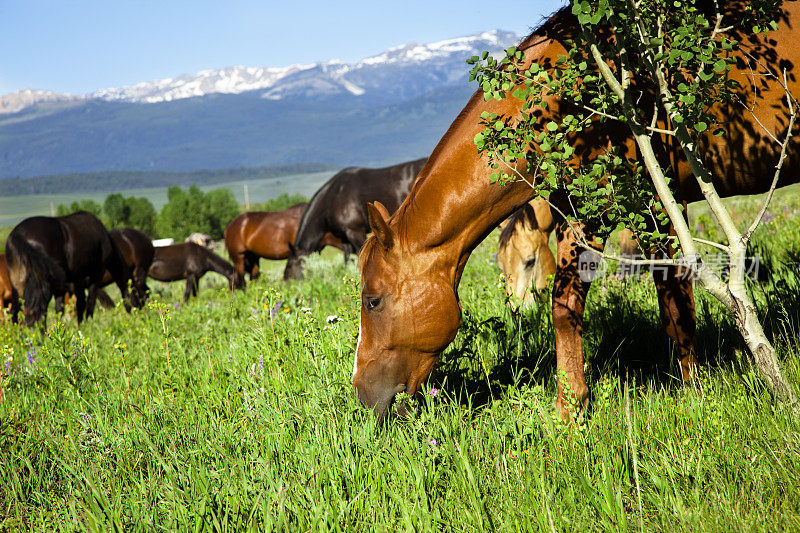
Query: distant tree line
134, 179
186, 211
279, 203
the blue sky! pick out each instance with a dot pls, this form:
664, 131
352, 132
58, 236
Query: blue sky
79, 46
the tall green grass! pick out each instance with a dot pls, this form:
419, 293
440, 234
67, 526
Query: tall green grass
236, 412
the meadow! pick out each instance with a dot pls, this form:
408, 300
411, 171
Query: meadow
236, 412
15, 208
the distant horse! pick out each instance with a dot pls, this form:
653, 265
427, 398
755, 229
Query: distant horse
47, 256
524, 255
5, 286
267, 234
188, 261
412, 264
340, 207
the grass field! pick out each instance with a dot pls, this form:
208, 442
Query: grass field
15, 208
235, 412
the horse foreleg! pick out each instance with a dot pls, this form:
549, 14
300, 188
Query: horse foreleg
569, 298
254, 270
15, 306
190, 287
81, 307
59, 304
676, 305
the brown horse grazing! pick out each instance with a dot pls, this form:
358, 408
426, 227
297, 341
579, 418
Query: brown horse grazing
411, 266
524, 255
47, 256
188, 261
136, 250
138, 253
267, 234
340, 207
5, 286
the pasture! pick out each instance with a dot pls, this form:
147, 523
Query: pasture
236, 412
15, 208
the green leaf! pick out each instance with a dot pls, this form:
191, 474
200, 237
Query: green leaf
551, 126
701, 126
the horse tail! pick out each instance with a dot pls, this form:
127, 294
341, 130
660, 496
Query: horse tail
32, 272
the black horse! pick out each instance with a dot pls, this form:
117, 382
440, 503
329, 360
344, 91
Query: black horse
48, 256
340, 207
136, 251
188, 261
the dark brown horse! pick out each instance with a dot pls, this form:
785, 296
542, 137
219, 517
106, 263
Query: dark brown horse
267, 234
47, 256
411, 266
340, 207
5, 286
188, 261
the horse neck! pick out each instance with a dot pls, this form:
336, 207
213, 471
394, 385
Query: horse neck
309, 235
218, 264
453, 206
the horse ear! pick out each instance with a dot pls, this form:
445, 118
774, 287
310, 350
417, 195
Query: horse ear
378, 222
530, 216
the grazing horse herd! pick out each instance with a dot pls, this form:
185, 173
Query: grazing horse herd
426, 217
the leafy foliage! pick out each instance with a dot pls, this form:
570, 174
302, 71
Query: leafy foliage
191, 210
282, 201
84, 205
670, 76
130, 212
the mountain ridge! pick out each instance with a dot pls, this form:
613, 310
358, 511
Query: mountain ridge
277, 82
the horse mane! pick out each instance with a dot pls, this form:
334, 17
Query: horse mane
303, 226
517, 218
549, 26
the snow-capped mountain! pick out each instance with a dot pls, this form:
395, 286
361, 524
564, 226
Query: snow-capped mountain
399, 73
387, 108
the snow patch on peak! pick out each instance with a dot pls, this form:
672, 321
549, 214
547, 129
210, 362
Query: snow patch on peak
420, 66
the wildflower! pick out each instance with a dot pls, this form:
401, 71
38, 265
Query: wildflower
332, 319
302, 309
433, 442
230, 359
261, 363
177, 305
86, 417
434, 392
275, 308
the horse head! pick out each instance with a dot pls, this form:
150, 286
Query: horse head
294, 264
409, 313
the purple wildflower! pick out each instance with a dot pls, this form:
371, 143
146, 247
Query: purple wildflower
433, 442
176, 305
86, 417
434, 392
768, 217
261, 363
275, 308
9, 366
230, 359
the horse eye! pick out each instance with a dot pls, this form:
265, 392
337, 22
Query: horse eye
371, 302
